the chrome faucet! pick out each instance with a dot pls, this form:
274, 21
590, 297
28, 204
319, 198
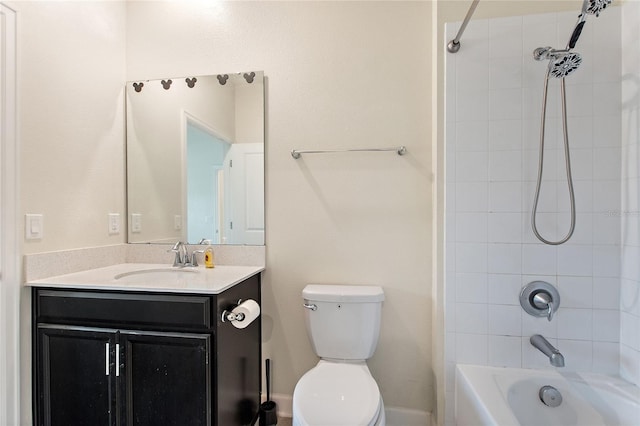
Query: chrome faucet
543, 345
180, 249
183, 258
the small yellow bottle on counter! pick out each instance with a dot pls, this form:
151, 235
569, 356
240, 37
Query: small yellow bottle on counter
208, 258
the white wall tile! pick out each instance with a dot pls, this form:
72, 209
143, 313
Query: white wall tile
471, 166
504, 258
575, 324
505, 73
505, 104
471, 318
471, 349
471, 227
607, 131
504, 289
574, 260
606, 261
606, 293
504, 351
471, 135
606, 325
606, 358
607, 163
505, 320
606, 195
471, 288
472, 105
539, 259
578, 354
505, 196
505, 37
504, 227
539, 325
471, 257
472, 196
575, 292
505, 135
505, 165
580, 97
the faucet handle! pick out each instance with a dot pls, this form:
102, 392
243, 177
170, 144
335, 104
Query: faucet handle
543, 300
177, 249
194, 258
550, 311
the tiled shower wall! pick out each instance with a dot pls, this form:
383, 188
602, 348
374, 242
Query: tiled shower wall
493, 109
630, 209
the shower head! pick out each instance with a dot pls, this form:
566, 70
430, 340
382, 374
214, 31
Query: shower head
563, 65
594, 7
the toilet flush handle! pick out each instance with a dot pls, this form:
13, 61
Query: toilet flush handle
311, 306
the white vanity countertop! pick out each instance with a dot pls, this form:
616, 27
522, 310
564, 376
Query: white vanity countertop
153, 277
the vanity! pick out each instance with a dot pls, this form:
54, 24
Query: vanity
145, 344
150, 344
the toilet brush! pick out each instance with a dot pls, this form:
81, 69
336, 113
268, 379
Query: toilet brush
267, 412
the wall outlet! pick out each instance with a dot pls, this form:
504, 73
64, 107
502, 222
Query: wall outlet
34, 226
114, 223
177, 222
136, 222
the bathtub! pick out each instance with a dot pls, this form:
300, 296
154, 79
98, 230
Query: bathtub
509, 396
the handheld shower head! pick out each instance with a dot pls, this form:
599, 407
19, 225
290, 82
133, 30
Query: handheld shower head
591, 7
594, 7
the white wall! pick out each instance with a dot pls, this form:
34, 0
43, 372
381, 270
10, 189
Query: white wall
494, 90
630, 208
339, 75
71, 119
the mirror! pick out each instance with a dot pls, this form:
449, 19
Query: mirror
195, 159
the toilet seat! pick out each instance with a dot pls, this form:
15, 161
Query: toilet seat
337, 393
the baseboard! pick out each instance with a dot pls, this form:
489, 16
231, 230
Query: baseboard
396, 416
284, 404
406, 417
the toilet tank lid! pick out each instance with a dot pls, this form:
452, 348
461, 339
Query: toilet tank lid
343, 293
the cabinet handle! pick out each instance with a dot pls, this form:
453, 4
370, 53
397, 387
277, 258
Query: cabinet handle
117, 359
106, 359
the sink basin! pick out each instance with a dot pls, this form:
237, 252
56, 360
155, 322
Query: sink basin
158, 274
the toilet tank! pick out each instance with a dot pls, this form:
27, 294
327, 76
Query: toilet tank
343, 321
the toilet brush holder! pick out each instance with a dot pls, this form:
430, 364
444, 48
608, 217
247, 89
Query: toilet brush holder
268, 409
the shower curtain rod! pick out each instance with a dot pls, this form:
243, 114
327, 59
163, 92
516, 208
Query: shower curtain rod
454, 45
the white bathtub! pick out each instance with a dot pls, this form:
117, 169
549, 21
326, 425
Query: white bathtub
509, 396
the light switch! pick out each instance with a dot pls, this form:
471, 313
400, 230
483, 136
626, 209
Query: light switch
34, 226
136, 222
114, 223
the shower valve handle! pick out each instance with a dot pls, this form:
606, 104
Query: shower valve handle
543, 300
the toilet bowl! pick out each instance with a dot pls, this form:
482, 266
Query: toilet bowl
338, 394
343, 323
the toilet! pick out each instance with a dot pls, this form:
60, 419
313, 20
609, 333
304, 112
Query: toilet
343, 324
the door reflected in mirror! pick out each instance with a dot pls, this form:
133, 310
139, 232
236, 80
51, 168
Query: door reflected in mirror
195, 159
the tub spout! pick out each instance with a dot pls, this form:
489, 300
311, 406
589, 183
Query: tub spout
543, 345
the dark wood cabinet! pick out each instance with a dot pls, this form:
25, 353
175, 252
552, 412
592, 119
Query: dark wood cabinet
74, 372
131, 358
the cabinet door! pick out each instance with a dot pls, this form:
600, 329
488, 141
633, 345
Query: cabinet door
167, 378
75, 378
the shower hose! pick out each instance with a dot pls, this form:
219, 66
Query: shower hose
541, 164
